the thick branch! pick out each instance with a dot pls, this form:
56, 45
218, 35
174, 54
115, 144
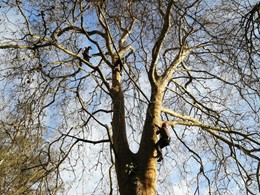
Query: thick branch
190, 121
79, 30
105, 26
166, 77
87, 141
159, 43
126, 34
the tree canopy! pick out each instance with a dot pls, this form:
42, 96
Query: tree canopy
92, 122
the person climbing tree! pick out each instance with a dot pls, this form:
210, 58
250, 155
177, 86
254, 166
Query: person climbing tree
118, 66
86, 54
163, 141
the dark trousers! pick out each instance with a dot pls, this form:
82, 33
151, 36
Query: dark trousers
160, 145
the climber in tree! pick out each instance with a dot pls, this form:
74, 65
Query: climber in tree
86, 54
163, 141
118, 66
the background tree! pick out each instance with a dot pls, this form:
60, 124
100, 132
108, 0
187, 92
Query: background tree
25, 163
184, 62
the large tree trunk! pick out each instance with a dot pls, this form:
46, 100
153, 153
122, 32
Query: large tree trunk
136, 173
123, 156
147, 160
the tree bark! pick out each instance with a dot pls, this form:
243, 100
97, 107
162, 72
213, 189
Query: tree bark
136, 173
147, 153
123, 155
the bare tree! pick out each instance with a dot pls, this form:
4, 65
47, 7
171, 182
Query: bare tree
147, 62
25, 166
